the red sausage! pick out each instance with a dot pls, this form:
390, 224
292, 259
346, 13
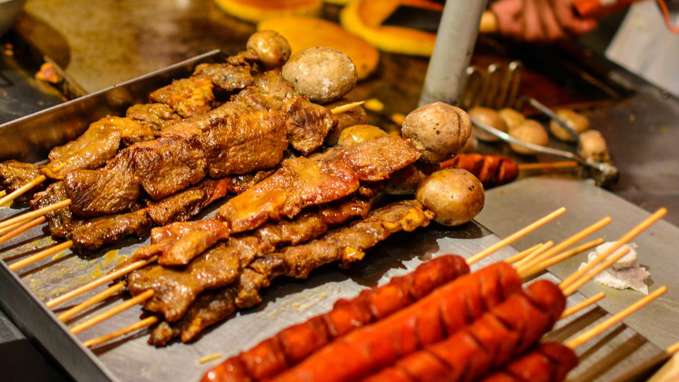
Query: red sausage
491, 341
550, 362
294, 344
445, 311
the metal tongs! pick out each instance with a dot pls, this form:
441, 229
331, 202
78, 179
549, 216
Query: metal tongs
603, 173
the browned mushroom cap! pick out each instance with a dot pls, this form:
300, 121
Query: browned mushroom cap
592, 145
488, 117
576, 121
454, 195
271, 48
322, 74
511, 117
438, 130
529, 131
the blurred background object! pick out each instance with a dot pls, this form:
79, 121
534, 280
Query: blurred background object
9, 10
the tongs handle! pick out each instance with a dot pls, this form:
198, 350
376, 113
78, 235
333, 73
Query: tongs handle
551, 114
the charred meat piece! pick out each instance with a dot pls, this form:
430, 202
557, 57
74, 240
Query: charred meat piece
299, 260
60, 223
14, 174
176, 289
99, 143
168, 165
226, 76
302, 182
492, 170
249, 142
187, 96
96, 233
114, 188
307, 125
189, 203
154, 115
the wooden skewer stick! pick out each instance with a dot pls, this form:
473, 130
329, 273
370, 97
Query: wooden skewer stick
548, 165
40, 255
100, 281
145, 323
346, 107
97, 298
584, 279
22, 190
639, 371
569, 241
615, 319
522, 255
516, 236
21, 229
34, 214
626, 238
531, 270
138, 299
544, 248
582, 305
10, 227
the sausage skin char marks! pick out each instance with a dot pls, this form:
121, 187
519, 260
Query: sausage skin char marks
506, 330
548, 362
426, 322
292, 345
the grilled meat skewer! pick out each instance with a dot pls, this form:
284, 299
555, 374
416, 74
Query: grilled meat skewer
299, 183
345, 245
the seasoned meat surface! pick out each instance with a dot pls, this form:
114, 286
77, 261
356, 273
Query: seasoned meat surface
112, 189
96, 233
60, 222
307, 124
177, 288
184, 205
249, 142
14, 174
154, 115
187, 96
226, 76
168, 165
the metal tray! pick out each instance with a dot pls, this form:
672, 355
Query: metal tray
286, 302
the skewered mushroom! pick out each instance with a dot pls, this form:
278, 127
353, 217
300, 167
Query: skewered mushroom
358, 134
438, 130
454, 195
272, 49
488, 117
322, 74
576, 121
592, 146
529, 131
511, 117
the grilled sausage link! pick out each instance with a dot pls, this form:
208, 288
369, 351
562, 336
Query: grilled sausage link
550, 362
292, 345
431, 319
492, 170
494, 339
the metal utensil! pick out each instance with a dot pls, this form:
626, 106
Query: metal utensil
603, 173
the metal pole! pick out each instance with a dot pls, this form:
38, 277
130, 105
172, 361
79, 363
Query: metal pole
454, 47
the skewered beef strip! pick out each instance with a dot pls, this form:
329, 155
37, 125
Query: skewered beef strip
226, 141
153, 115
14, 174
345, 245
298, 184
176, 289
96, 233
294, 343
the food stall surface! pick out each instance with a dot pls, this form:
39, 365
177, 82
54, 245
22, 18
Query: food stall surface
105, 42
